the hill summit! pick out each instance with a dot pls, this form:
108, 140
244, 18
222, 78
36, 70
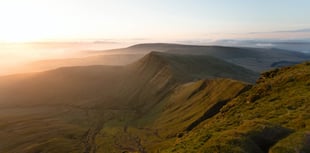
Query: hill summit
195, 66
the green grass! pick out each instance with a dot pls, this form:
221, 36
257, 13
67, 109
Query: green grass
277, 119
40, 130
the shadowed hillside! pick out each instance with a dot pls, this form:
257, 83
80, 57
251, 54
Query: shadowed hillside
70, 85
101, 59
156, 74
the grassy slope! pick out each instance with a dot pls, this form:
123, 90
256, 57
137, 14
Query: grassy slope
96, 107
159, 127
39, 129
273, 117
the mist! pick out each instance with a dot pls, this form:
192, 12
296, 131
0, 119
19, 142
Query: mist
16, 55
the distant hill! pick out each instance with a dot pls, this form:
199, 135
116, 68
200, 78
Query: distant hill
255, 59
102, 59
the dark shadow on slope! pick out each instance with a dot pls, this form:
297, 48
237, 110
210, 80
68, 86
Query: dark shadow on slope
284, 63
211, 112
214, 109
202, 86
268, 136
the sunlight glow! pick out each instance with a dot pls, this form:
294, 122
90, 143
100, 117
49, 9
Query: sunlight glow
20, 23
41, 20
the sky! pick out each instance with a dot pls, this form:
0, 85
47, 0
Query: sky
67, 20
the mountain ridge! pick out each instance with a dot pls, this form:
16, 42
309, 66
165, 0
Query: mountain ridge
255, 59
164, 102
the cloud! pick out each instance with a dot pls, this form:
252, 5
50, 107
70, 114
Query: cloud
293, 31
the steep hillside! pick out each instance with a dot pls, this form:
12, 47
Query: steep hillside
273, 116
161, 103
183, 109
158, 73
